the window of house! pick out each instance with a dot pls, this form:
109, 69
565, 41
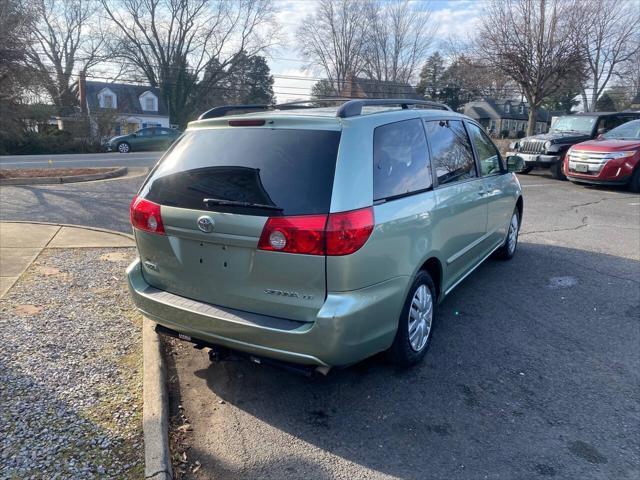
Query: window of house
507, 108
150, 103
107, 101
451, 151
400, 159
522, 109
486, 151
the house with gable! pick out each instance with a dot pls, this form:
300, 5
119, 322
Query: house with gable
505, 117
128, 107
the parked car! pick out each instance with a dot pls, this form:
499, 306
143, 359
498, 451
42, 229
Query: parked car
548, 150
611, 159
152, 138
319, 237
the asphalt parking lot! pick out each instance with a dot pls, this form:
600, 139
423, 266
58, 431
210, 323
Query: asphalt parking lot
533, 372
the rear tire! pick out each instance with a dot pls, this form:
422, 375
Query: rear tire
526, 170
415, 324
557, 170
508, 250
124, 147
634, 183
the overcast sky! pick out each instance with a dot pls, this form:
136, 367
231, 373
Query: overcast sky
456, 18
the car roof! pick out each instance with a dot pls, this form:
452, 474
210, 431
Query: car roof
602, 114
317, 117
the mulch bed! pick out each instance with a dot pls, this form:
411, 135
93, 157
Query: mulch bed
50, 172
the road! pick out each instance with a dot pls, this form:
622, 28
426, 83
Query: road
133, 159
533, 371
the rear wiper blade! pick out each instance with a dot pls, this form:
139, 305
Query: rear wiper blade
236, 203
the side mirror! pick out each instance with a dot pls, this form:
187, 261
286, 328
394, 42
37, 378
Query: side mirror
515, 163
600, 137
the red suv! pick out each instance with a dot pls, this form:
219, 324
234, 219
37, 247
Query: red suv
611, 159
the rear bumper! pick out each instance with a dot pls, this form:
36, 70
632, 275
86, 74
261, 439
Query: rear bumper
537, 159
349, 327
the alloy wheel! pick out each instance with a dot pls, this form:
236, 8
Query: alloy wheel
513, 234
420, 318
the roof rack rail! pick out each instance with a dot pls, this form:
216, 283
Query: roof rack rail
353, 108
225, 109
313, 101
350, 108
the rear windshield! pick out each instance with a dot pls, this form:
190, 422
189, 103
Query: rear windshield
288, 172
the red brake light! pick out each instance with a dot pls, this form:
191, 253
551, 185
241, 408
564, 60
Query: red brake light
347, 232
145, 215
334, 234
246, 123
301, 234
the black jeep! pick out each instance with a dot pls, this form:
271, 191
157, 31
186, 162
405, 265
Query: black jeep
547, 150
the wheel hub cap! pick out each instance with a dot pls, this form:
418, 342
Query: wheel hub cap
513, 233
420, 318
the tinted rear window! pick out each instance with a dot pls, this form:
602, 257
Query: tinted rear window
289, 169
400, 160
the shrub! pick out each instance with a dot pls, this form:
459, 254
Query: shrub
51, 142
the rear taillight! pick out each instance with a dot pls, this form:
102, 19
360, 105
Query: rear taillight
301, 234
347, 232
334, 234
145, 215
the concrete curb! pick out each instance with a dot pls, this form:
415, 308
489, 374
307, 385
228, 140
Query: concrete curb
155, 415
118, 172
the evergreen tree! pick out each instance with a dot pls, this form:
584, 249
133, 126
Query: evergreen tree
431, 76
605, 103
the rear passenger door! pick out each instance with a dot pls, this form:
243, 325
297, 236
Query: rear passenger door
494, 182
460, 218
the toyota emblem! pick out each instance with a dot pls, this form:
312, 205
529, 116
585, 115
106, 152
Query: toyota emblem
205, 223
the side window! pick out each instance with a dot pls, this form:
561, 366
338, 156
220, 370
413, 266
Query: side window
400, 159
162, 131
488, 155
608, 123
145, 132
451, 151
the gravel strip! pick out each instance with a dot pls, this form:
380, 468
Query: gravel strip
71, 370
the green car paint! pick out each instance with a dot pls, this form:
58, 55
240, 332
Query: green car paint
152, 138
312, 309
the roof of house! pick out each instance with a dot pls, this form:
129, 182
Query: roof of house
128, 98
495, 109
383, 89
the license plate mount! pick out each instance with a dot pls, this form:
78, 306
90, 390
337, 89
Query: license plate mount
581, 167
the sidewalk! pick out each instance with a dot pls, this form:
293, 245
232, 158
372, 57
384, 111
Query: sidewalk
21, 243
71, 402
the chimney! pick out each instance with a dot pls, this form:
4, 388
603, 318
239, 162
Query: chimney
346, 89
82, 91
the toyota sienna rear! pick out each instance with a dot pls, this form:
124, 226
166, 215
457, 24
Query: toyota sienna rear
299, 236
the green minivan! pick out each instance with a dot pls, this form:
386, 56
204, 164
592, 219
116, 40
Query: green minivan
318, 237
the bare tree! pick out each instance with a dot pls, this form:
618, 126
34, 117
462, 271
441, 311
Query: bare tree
333, 37
15, 23
173, 42
610, 40
530, 41
64, 41
398, 36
